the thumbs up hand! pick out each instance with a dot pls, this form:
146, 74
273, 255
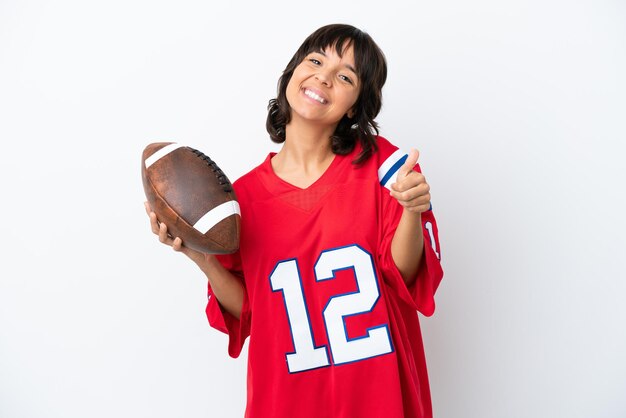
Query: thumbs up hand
410, 188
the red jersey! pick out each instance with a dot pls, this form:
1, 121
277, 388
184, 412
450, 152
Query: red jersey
333, 328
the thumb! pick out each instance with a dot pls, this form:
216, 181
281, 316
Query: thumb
410, 162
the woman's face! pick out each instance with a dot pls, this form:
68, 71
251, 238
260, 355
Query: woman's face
324, 87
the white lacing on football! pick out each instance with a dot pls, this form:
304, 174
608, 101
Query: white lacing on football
217, 214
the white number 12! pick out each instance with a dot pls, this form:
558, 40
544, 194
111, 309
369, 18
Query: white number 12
286, 278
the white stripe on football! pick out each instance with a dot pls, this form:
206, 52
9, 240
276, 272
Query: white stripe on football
217, 214
162, 153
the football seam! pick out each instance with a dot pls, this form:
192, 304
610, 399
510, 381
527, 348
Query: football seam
181, 218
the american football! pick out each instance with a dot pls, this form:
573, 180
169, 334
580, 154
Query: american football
192, 196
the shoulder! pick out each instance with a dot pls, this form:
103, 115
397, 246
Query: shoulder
383, 151
384, 145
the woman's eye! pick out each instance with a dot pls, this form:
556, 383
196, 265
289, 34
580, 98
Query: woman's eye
314, 61
345, 78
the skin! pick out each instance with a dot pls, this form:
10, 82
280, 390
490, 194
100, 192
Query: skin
307, 153
305, 156
413, 192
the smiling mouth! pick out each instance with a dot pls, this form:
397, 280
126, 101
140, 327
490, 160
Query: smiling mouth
315, 96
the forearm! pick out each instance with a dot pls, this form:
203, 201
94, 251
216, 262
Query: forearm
407, 245
226, 287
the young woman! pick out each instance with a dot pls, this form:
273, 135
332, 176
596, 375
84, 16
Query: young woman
338, 249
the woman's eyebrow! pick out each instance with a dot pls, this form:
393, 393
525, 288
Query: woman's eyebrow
348, 66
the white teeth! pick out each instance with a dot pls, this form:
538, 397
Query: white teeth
314, 96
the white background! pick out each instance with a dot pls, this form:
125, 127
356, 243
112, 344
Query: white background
518, 108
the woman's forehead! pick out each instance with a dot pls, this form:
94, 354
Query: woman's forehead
340, 48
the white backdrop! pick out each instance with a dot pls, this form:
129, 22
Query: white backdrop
518, 109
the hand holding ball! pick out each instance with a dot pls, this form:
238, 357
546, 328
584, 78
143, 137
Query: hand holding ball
192, 196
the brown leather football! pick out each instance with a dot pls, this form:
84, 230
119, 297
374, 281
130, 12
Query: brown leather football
192, 196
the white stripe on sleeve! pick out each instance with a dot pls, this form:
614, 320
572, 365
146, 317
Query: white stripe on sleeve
388, 171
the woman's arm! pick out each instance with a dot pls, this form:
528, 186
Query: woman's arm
413, 192
407, 245
226, 287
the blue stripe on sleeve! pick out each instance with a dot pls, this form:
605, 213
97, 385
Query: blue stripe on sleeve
393, 170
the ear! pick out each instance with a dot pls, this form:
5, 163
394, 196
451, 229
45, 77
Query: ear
350, 113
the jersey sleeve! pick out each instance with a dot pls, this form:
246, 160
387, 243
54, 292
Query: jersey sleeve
237, 329
420, 294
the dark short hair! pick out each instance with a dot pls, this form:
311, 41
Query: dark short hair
371, 68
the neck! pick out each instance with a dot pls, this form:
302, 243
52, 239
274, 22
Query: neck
305, 155
307, 145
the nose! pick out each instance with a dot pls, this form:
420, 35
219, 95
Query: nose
323, 77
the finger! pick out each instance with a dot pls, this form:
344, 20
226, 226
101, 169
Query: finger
163, 235
408, 165
414, 192
421, 204
154, 223
177, 244
422, 201
411, 180
412, 186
